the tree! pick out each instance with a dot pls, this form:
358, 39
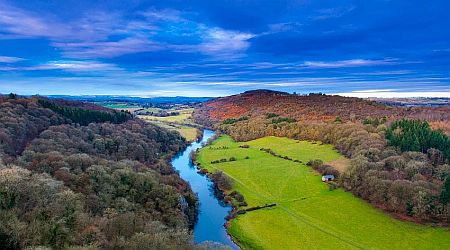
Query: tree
445, 194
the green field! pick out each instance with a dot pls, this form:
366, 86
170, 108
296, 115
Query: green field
308, 215
117, 105
181, 123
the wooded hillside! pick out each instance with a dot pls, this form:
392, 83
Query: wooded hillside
73, 174
313, 107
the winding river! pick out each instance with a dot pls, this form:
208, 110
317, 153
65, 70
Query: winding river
212, 211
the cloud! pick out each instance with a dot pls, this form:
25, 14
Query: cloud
108, 49
100, 34
86, 37
223, 43
394, 94
70, 66
348, 63
76, 66
163, 15
10, 59
335, 12
22, 23
282, 27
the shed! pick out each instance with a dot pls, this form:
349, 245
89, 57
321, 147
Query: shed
328, 177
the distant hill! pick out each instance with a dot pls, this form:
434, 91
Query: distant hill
312, 107
415, 101
141, 100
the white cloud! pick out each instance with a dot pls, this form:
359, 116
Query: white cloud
108, 49
347, 63
163, 15
333, 12
72, 66
386, 93
9, 59
218, 41
76, 66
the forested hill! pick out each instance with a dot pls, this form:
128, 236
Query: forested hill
74, 174
397, 164
313, 107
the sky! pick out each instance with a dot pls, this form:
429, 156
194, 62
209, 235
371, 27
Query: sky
214, 48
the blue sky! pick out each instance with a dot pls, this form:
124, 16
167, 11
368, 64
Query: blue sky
213, 48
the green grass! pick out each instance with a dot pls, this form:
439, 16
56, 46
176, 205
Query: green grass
184, 116
190, 133
181, 123
118, 105
307, 214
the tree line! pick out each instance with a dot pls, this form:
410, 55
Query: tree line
416, 135
86, 116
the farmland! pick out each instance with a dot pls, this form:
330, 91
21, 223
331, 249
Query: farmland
177, 117
308, 214
180, 122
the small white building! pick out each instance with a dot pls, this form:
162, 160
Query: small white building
328, 177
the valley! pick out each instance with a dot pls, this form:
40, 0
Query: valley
307, 213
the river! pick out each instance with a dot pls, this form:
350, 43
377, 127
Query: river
212, 211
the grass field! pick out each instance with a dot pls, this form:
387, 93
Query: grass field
308, 215
180, 123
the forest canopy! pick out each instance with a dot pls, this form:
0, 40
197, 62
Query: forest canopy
76, 175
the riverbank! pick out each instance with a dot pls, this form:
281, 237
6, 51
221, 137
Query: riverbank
212, 211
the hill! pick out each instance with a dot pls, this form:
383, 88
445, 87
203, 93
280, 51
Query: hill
312, 107
78, 175
400, 166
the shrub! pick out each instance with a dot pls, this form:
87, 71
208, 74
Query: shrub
222, 181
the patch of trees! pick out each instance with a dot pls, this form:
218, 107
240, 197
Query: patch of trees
416, 135
21, 120
86, 116
237, 199
157, 114
103, 185
283, 119
374, 121
222, 181
270, 151
321, 168
233, 121
224, 160
271, 115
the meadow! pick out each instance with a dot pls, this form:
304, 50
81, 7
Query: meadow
181, 122
308, 214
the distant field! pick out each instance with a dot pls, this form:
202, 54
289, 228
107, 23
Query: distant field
180, 123
308, 215
183, 117
117, 105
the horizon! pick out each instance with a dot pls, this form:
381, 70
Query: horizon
357, 94
151, 48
